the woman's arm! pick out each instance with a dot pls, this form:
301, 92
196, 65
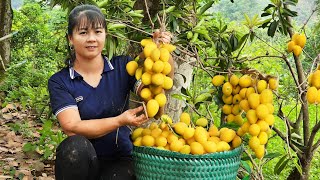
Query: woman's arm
72, 124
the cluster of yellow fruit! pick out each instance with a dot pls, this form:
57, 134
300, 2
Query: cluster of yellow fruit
313, 93
253, 99
183, 137
153, 73
297, 43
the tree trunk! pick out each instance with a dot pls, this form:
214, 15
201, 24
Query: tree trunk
5, 28
305, 166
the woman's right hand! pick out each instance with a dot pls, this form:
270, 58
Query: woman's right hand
129, 117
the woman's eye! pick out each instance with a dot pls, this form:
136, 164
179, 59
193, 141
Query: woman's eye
83, 32
98, 31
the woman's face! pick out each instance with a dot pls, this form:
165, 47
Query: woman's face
88, 41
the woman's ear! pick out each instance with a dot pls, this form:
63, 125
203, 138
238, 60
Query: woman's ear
70, 39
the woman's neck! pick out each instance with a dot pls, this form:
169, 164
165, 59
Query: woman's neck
89, 66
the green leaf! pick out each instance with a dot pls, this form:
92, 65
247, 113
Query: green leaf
279, 165
202, 97
297, 166
246, 166
268, 7
272, 155
246, 178
28, 147
205, 7
272, 28
179, 96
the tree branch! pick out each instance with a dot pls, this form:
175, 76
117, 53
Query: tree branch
283, 137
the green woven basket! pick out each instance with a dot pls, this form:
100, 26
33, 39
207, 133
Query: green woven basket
152, 163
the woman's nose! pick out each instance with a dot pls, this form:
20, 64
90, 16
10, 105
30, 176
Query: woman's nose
91, 37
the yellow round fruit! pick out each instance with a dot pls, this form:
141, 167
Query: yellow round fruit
240, 132
136, 133
148, 64
153, 125
152, 108
166, 119
269, 119
259, 151
185, 117
250, 90
245, 126
312, 94
137, 142
148, 140
161, 99
169, 47
148, 49
158, 66
214, 139
146, 94
234, 80
245, 81
144, 42
252, 116
223, 146
290, 46
262, 111
155, 89
167, 83
230, 118
146, 131
315, 80
254, 100
210, 147
131, 67
262, 85
226, 109
180, 127
242, 93
196, 148
164, 54
297, 50
227, 135
263, 138
244, 105
301, 40
156, 132
238, 119
236, 99
236, 89
295, 37
171, 138
218, 80
186, 149
146, 78
157, 79
176, 146
254, 130
254, 142
213, 131
155, 54
227, 89
138, 73
236, 109
270, 107
236, 142
264, 126
266, 96
200, 135
165, 133
166, 68
202, 122
227, 99
273, 83
188, 133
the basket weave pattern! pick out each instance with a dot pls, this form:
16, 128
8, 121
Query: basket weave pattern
152, 163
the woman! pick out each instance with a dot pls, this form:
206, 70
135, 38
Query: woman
90, 99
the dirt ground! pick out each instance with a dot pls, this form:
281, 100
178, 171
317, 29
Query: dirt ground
18, 127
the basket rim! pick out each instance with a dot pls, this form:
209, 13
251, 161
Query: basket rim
158, 152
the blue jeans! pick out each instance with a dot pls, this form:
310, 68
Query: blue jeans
76, 159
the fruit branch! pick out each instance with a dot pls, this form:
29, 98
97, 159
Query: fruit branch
258, 57
314, 131
313, 11
147, 9
315, 146
268, 44
304, 104
315, 63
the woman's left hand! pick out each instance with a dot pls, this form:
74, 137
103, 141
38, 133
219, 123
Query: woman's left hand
131, 117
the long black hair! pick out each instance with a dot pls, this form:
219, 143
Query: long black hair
83, 16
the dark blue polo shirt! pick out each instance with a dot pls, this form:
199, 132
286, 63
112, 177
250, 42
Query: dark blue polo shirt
109, 99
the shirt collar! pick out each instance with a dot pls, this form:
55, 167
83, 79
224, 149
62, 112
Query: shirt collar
107, 67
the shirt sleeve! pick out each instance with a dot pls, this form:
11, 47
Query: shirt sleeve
60, 98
